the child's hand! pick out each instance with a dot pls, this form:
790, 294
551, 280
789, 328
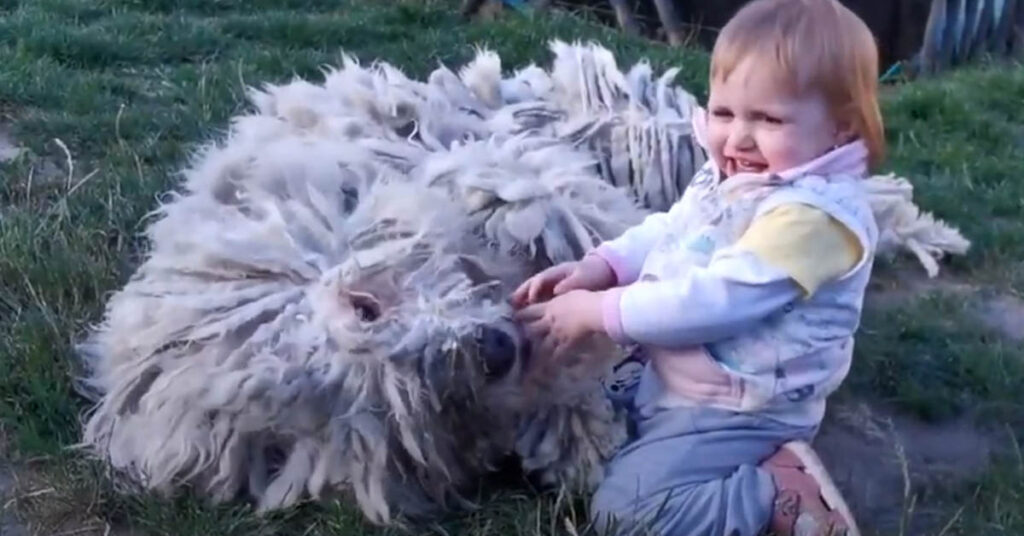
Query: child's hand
591, 273
539, 287
563, 321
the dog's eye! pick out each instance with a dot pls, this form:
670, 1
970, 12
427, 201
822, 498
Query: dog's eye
366, 308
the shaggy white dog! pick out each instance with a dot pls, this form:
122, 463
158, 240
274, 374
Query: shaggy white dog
322, 307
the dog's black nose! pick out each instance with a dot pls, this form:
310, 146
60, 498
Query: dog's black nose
498, 350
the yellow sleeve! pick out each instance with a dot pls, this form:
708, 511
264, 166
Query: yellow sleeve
805, 242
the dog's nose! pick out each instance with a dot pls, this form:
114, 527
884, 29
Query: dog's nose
498, 350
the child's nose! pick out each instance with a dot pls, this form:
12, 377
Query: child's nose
741, 138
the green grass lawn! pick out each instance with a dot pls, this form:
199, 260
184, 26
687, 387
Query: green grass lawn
130, 87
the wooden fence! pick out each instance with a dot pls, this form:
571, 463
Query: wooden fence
915, 36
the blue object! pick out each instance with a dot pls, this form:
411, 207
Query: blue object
892, 72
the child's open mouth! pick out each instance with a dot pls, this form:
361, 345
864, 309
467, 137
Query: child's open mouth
740, 165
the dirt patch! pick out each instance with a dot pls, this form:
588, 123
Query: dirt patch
37, 176
1005, 315
10, 525
47, 499
8, 149
896, 283
37, 498
872, 453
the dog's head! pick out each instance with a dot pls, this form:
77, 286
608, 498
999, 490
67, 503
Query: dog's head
415, 290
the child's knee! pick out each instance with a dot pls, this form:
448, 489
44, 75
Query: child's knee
605, 522
605, 507
613, 513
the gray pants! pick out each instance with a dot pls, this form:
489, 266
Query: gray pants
691, 471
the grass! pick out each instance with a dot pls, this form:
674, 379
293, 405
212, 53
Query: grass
959, 138
930, 358
131, 86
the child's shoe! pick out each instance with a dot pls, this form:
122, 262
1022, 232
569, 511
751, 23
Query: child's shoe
807, 502
621, 385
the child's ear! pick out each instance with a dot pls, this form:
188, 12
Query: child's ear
846, 131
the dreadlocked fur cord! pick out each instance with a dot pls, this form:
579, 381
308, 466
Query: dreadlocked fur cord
322, 306
905, 226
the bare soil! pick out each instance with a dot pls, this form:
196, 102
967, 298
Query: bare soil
889, 466
8, 149
1004, 314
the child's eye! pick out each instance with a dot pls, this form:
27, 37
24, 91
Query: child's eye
721, 113
772, 120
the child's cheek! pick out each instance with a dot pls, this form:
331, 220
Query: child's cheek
782, 152
716, 145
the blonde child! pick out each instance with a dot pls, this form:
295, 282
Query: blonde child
745, 296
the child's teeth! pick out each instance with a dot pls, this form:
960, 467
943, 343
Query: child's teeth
735, 164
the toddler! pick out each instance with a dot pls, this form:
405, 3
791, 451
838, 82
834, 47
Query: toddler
745, 296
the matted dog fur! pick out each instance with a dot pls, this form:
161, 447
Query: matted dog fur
322, 308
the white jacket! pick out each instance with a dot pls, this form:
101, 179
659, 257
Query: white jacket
721, 326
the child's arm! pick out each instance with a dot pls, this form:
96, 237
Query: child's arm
785, 255
734, 292
626, 253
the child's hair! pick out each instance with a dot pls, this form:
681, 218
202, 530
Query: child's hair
819, 45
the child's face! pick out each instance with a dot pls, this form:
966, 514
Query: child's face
757, 125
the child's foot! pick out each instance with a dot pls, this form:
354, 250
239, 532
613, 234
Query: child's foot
807, 502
